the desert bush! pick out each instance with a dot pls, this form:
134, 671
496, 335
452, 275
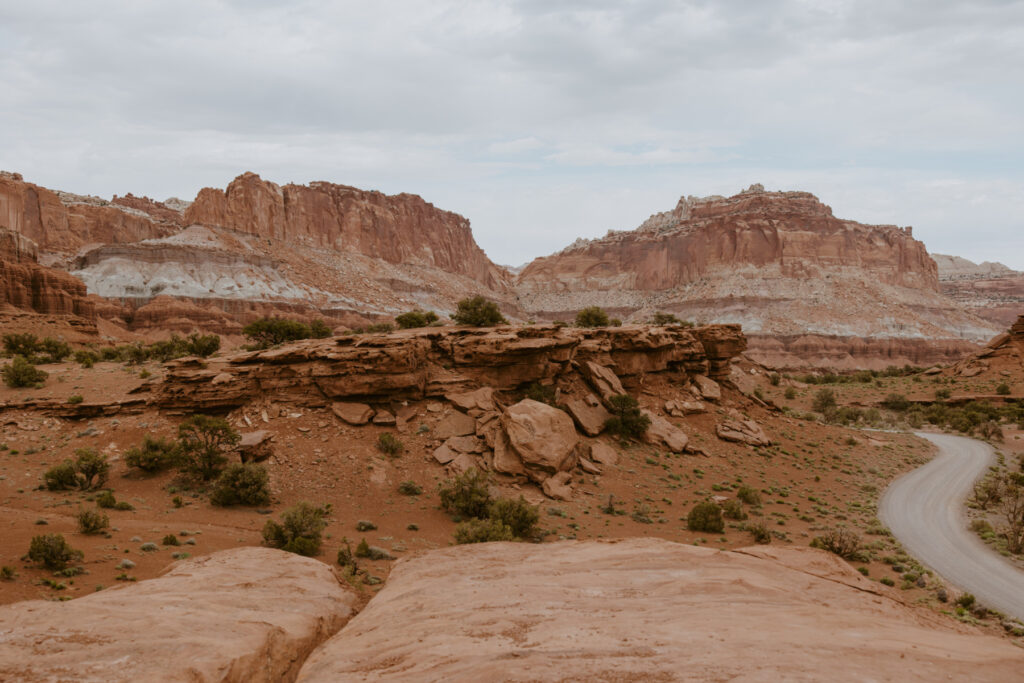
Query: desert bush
203, 440
482, 531
25, 345
203, 345
86, 358
267, 332
299, 530
543, 393
824, 400
667, 319
966, 601
592, 316
416, 318
516, 514
88, 471
774, 379
75, 399
53, 350
1011, 505
990, 430
467, 495
790, 393
897, 402
155, 454
1003, 389
20, 373
242, 484
318, 329
733, 509
840, 540
170, 539
981, 526
944, 393
759, 530
52, 551
380, 328
410, 488
478, 312
749, 495
106, 500
627, 421
8, 573
92, 522
706, 516
389, 444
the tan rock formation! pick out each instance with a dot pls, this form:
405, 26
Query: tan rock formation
742, 431
990, 290
647, 610
661, 432
779, 263
543, 438
243, 615
588, 413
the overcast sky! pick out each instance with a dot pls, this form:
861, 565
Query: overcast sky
539, 120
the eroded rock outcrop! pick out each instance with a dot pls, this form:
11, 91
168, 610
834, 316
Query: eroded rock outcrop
435, 362
243, 615
646, 609
990, 290
779, 263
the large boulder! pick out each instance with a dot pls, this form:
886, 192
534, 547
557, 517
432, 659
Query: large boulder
255, 446
247, 614
604, 381
742, 431
455, 424
664, 433
707, 387
588, 413
543, 437
647, 609
353, 413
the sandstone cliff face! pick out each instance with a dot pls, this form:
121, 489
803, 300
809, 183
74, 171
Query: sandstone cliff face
398, 229
779, 263
26, 285
61, 223
990, 290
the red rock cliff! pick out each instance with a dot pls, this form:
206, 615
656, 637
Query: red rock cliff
396, 228
26, 285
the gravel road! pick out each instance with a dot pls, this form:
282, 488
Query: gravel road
925, 511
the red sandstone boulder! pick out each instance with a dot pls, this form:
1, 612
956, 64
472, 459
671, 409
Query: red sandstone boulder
588, 413
742, 431
543, 438
661, 432
352, 413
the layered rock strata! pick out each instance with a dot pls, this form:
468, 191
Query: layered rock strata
990, 290
779, 263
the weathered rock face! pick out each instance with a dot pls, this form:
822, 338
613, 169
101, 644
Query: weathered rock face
990, 290
779, 263
244, 615
851, 353
543, 438
435, 362
27, 285
398, 229
61, 223
645, 609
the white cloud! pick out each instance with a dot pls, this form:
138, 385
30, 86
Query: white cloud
539, 121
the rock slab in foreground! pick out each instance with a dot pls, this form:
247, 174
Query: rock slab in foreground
646, 609
246, 615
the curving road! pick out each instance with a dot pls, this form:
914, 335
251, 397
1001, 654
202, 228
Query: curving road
924, 509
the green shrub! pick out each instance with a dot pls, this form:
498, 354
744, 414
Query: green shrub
203, 345
516, 514
52, 551
268, 332
20, 373
92, 522
155, 454
389, 444
1003, 389
203, 441
966, 600
824, 401
75, 399
790, 393
840, 540
54, 350
897, 402
25, 345
760, 532
733, 509
592, 316
749, 495
242, 484
346, 558
542, 393
370, 552
467, 495
8, 573
416, 318
410, 488
106, 500
943, 393
299, 530
706, 516
478, 312
774, 378
88, 471
482, 531
318, 329
627, 421
86, 358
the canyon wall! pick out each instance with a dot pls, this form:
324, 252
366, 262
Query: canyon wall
989, 290
778, 263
